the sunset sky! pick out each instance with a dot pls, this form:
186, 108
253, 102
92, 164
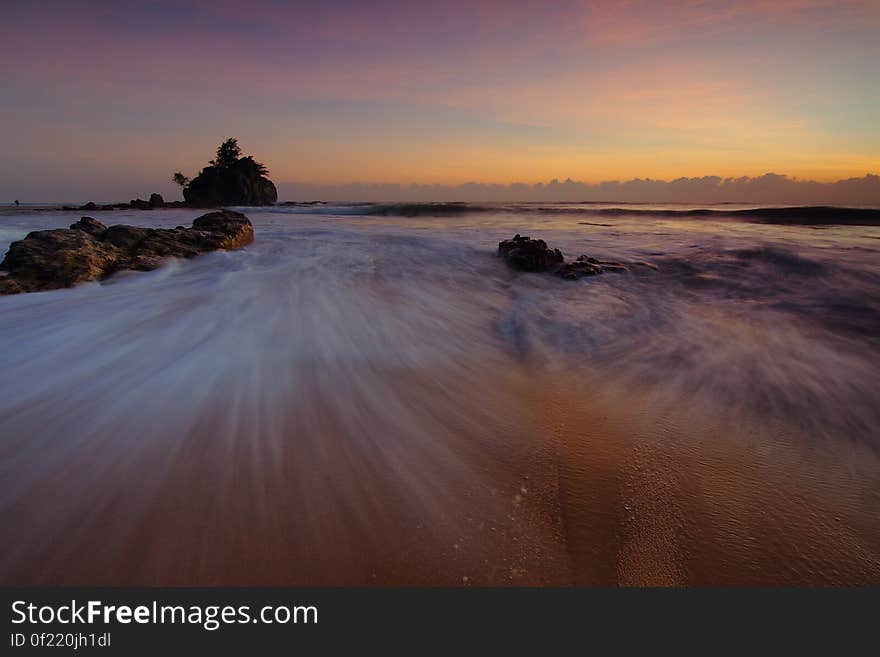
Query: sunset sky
105, 100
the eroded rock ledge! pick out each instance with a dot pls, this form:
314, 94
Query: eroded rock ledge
527, 254
89, 250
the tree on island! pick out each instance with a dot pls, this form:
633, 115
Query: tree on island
229, 179
228, 153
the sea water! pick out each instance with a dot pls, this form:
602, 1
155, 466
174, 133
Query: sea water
367, 394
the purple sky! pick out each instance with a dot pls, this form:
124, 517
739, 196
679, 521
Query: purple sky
104, 100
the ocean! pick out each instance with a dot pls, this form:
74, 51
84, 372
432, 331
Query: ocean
368, 395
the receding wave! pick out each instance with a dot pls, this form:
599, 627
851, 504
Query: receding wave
379, 209
427, 209
792, 215
807, 215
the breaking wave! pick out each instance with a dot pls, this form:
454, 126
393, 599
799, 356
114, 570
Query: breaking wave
793, 215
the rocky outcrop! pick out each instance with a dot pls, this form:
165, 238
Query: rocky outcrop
526, 254
88, 250
238, 183
533, 255
587, 266
156, 201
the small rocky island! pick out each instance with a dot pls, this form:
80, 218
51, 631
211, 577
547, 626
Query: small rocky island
533, 255
229, 179
89, 250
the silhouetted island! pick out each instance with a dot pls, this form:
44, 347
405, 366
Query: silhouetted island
230, 179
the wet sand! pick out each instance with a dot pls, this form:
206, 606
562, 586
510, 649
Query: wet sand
402, 497
555, 488
653, 496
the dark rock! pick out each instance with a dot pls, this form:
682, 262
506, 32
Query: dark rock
135, 204
224, 229
90, 226
160, 244
588, 266
526, 254
125, 237
239, 183
8, 285
571, 271
48, 259
614, 267
603, 265
87, 251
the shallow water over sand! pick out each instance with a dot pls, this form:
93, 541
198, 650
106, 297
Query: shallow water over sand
360, 399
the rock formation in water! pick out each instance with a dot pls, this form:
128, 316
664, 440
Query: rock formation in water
88, 250
156, 201
533, 255
230, 179
526, 254
587, 266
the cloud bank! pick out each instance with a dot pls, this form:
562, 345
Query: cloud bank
770, 188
